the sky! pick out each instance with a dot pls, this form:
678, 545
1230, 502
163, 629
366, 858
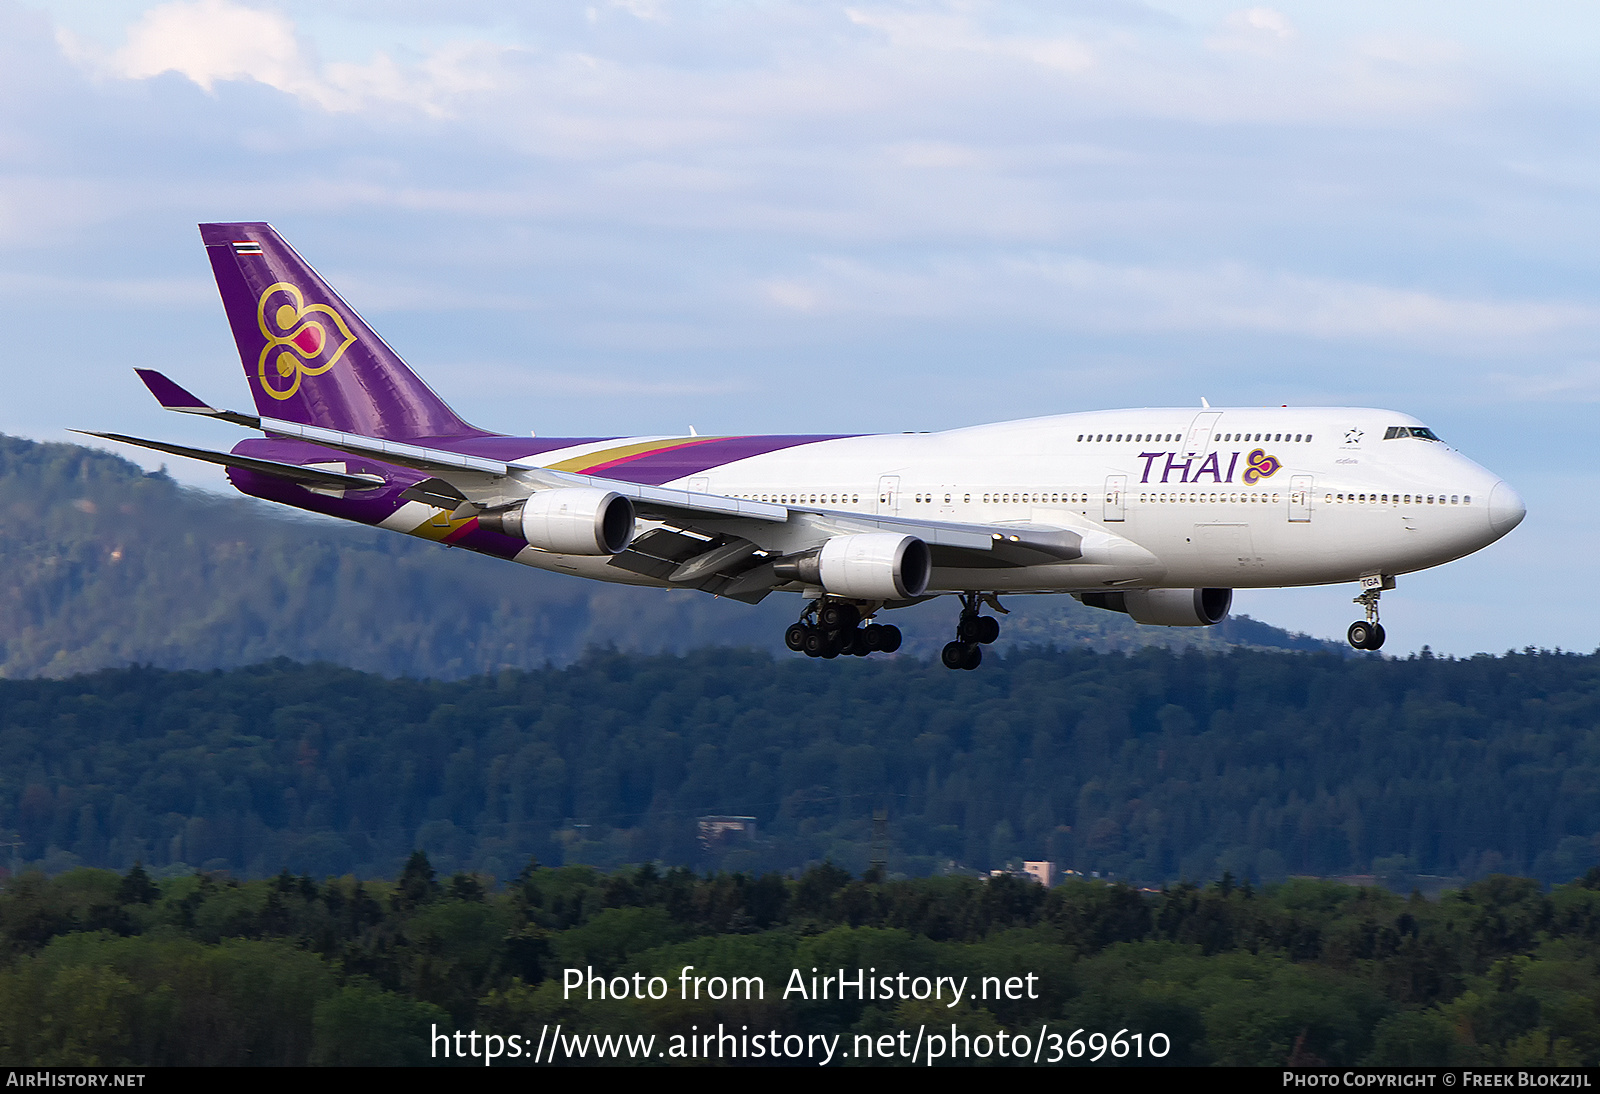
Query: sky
637, 216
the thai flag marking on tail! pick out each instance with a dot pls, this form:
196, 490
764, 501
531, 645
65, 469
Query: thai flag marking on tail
246, 247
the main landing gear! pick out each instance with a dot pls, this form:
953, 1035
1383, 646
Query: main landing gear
973, 632
1368, 634
833, 627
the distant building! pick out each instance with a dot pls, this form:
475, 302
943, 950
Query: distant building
715, 831
1045, 873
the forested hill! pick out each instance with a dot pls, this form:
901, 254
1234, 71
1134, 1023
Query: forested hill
106, 566
1153, 766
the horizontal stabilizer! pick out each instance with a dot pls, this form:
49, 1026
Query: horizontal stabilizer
314, 477
173, 396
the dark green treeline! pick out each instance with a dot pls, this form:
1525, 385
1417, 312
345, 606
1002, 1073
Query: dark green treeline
1155, 766
97, 968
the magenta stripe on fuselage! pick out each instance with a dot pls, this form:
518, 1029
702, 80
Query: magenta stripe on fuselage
681, 461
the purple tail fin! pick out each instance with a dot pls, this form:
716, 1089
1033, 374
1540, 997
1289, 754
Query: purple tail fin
309, 358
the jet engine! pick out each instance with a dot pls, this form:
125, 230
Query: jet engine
1166, 607
870, 566
573, 520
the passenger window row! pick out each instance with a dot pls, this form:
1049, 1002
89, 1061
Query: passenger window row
1201, 499
1400, 499
1225, 438
803, 499
1078, 498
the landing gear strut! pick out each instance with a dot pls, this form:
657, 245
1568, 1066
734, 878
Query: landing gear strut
1368, 634
973, 632
828, 628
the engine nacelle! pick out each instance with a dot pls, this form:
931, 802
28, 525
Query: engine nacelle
869, 566
1166, 607
573, 520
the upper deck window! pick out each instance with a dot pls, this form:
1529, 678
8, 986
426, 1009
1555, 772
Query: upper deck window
1422, 433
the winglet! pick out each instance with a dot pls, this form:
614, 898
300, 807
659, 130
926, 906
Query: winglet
173, 396
170, 395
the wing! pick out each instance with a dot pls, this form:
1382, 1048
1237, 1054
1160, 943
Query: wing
486, 483
721, 544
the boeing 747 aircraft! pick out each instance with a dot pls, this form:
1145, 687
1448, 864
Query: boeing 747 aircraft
1160, 513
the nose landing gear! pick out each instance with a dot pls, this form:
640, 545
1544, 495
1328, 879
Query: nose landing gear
1368, 634
973, 632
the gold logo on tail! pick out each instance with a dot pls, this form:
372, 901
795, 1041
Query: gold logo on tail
297, 339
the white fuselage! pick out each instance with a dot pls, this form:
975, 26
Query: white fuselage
1177, 498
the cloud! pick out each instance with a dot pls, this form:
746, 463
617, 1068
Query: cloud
1578, 382
689, 74
213, 41
1260, 31
1265, 20
508, 385
650, 11
953, 31
1065, 292
145, 294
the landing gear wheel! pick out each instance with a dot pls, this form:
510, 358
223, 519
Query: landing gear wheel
839, 616
961, 655
1376, 641
844, 638
1361, 634
986, 630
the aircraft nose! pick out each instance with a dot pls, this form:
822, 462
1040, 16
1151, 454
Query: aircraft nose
1505, 508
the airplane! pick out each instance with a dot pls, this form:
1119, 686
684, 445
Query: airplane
1159, 513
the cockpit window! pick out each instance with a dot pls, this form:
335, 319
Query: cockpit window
1422, 433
